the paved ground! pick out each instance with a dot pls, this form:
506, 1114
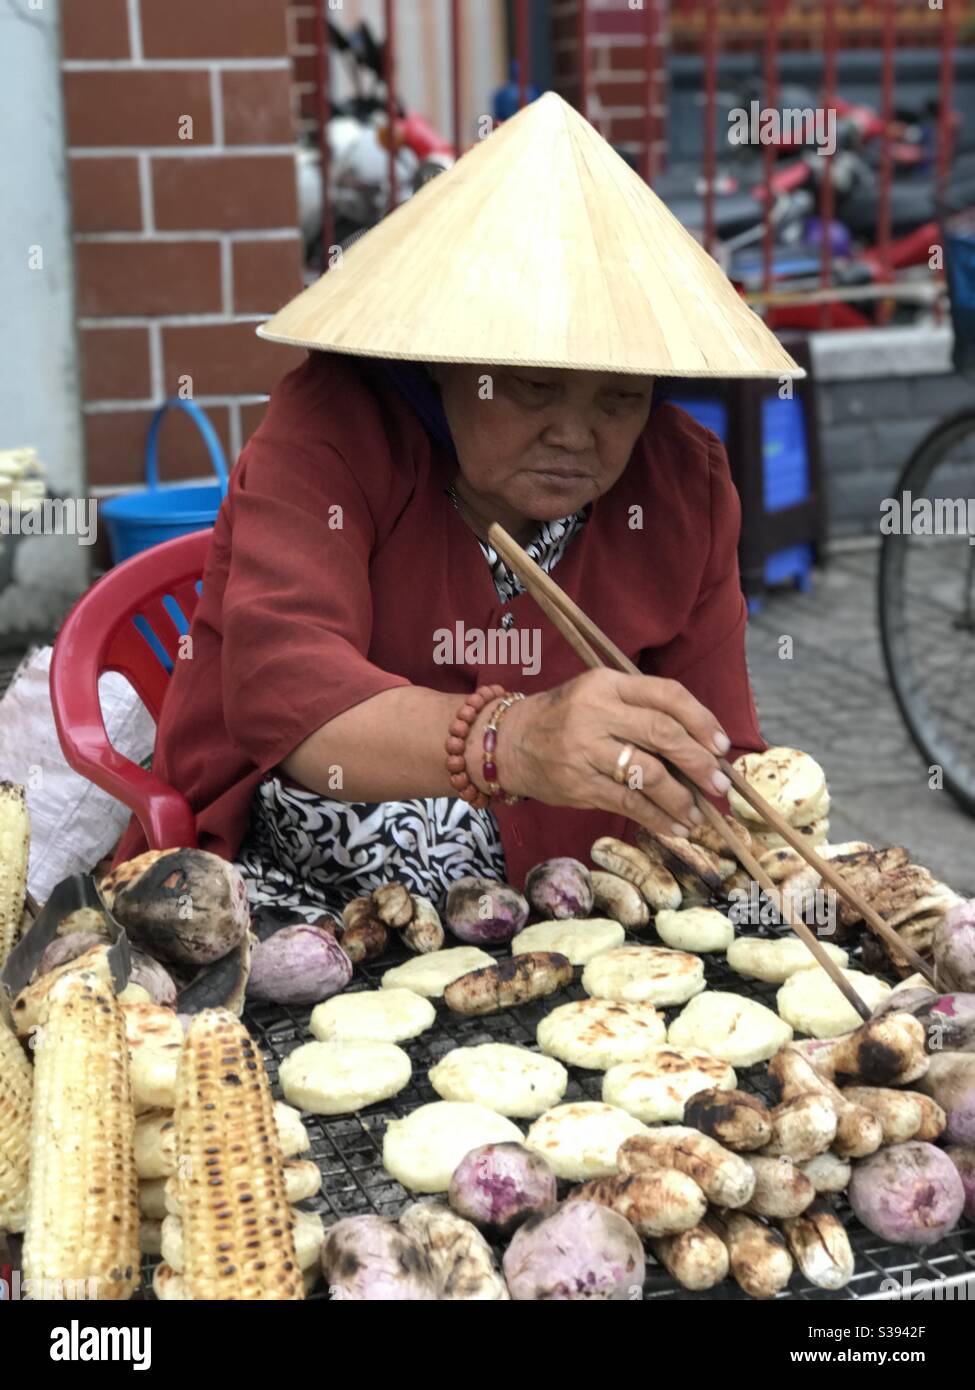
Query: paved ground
832, 699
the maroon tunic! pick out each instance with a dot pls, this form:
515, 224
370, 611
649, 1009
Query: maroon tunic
337, 555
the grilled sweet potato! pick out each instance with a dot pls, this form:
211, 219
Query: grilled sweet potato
533, 975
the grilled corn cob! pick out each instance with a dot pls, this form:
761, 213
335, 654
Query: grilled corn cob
16, 1084
82, 1234
236, 1222
14, 849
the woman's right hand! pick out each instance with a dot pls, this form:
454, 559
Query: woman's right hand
561, 747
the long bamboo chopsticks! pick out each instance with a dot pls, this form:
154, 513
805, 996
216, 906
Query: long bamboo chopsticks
585, 637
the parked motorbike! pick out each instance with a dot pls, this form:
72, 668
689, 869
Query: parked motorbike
359, 146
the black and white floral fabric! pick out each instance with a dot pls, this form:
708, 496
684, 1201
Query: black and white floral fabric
310, 854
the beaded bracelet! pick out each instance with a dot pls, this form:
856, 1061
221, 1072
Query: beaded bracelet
456, 744
491, 743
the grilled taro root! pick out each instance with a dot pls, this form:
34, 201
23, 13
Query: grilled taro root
618, 899
780, 1188
735, 1119
724, 1177
655, 883
425, 932
697, 870
581, 1251
884, 1051
858, 1133
899, 1112
532, 975
760, 1262
485, 912
661, 1202
820, 1246
803, 1127
498, 1186
186, 905
697, 1259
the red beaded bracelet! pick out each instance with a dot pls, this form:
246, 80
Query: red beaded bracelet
456, 745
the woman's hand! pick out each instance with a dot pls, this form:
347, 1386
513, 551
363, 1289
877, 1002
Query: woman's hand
561, 748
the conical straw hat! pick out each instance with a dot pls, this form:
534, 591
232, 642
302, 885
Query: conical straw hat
540, 247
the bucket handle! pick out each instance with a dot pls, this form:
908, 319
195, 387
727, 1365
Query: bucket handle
202, 422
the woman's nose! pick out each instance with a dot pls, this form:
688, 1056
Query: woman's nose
569, 429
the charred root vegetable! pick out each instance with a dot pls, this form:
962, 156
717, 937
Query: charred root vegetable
532, 975
909, 1194
298, 965
659, 1202
735, 1119
581, 1251
499, 1186
655, 883
618, 899
484, 912
560, 888
186, 905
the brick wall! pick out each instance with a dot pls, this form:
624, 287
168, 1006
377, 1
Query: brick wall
617, 63
304, 55
180, 130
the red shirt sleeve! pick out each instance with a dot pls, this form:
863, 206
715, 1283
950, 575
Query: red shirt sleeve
708, 655
297, 608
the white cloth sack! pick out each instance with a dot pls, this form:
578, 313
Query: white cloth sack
73, 822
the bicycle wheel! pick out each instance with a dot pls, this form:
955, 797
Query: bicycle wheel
927, 602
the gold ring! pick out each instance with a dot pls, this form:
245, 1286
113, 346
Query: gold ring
623, 764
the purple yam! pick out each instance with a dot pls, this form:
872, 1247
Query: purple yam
909, 1194
560, 888
498, 1186
483, 911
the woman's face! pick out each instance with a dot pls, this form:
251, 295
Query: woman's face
538, 442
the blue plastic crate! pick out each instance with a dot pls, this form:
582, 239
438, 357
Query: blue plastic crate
785, 453
785, 474
712, 414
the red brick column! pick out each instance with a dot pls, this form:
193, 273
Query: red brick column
617, 62
181, 138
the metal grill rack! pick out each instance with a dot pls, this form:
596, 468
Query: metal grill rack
348, 1148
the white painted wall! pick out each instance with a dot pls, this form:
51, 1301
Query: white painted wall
39, 387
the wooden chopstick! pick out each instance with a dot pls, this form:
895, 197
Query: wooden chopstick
827, 871
582, 634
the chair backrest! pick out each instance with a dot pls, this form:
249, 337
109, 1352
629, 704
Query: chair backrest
132, 621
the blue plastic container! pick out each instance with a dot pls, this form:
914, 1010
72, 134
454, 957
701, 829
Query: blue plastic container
138, 520
785, 474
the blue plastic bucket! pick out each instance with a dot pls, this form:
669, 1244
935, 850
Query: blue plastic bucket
139, 520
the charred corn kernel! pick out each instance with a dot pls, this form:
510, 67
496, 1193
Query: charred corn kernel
14, 849
82, 1232
16, 1084
236, 1223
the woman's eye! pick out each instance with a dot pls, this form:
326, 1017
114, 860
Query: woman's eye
536, 385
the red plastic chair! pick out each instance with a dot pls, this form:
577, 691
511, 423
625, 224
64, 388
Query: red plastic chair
100, 634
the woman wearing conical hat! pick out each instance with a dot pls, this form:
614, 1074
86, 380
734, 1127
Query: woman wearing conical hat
487, 353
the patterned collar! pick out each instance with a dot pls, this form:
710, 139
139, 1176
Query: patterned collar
546, 548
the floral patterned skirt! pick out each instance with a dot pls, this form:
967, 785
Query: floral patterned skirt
310, 854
